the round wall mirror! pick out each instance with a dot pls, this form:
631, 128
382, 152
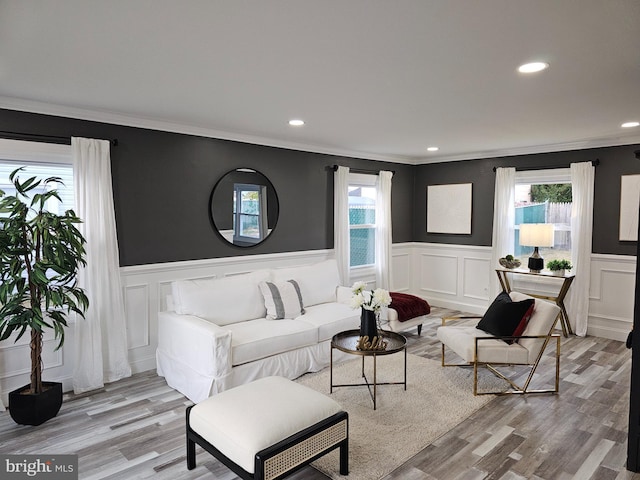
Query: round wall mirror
244, 207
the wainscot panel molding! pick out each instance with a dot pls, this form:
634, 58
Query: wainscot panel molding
146, 288
450, 276
401, 267
611, 296
15, 361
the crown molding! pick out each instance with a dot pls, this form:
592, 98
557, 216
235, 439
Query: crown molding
31, 106
601, 142
115, 118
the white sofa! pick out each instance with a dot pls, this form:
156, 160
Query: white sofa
217, 335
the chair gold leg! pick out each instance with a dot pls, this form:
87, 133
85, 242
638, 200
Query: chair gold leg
475, 378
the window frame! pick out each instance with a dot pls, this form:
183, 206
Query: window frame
540, 177
359, 180
238, 188
25, 153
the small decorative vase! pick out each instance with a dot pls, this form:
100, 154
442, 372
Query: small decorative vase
559, 273
368, 324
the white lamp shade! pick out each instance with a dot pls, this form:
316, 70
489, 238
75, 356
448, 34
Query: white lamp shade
536, 234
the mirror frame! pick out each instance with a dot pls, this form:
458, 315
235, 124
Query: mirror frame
223, 221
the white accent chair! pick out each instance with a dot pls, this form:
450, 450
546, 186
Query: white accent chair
478, 348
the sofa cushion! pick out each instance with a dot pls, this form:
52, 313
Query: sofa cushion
331, 318
222, 301
461, 339
262, 338
282, 299
318, 282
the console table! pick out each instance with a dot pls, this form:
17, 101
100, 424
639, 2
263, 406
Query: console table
567, 279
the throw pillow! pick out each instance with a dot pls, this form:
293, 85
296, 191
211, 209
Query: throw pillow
522, 326
504, 317
282, 299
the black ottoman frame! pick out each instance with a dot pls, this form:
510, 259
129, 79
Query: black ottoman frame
286, 456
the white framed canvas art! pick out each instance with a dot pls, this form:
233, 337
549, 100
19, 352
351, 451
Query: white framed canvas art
629, 207
449, 208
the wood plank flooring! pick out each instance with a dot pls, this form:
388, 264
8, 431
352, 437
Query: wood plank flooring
134, 428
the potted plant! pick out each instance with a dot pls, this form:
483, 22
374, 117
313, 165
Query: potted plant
558, 267
40, 254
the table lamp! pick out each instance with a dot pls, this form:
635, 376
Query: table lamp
536, 235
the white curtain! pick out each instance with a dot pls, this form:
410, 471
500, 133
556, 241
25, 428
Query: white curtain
341, 222
582, 186
383, 230
101, 339
503, 222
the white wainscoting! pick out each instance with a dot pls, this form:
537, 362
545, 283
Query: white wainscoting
611, 296
146, 288
451, 276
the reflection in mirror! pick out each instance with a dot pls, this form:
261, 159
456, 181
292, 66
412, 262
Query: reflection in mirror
244, 207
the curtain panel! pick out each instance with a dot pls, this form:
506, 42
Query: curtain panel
582, 189
504, 218
383, 230
341, 243
101, 340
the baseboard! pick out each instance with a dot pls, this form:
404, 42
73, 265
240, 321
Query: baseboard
463, 307
143, 365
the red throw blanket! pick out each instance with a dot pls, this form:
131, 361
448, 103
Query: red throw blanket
408, 306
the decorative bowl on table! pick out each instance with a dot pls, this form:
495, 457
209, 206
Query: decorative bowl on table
511, 263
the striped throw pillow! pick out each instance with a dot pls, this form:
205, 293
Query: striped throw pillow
282, 300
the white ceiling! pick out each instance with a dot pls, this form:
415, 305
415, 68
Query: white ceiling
378, 79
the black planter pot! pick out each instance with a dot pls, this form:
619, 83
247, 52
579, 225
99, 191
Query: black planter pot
368, 324
35, 409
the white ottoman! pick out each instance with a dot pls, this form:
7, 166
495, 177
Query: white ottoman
268, 428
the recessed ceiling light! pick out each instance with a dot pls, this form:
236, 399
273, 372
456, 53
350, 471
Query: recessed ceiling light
533, 67
630, 124
432, 149
296, 123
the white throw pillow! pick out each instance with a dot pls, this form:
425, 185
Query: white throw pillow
282, 299
318, 282
222, 301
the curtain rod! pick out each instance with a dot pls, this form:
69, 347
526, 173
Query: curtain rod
43, 138
595, 163
363, 171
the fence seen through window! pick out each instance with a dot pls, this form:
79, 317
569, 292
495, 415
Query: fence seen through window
362, 225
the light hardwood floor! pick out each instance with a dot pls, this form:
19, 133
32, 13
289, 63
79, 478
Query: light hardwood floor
134, 428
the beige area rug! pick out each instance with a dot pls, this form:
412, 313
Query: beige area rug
436, 400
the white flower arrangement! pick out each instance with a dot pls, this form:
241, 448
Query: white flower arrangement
372, 300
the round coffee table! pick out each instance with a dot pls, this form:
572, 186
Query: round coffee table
346, 342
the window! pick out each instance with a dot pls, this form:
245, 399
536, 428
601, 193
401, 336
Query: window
41, 171
362, 219
41, 160
544, 196
249, 212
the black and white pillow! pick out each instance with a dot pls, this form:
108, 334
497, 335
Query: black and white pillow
282, 299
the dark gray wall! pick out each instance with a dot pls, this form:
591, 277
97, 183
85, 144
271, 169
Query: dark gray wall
162, 184
614, 162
